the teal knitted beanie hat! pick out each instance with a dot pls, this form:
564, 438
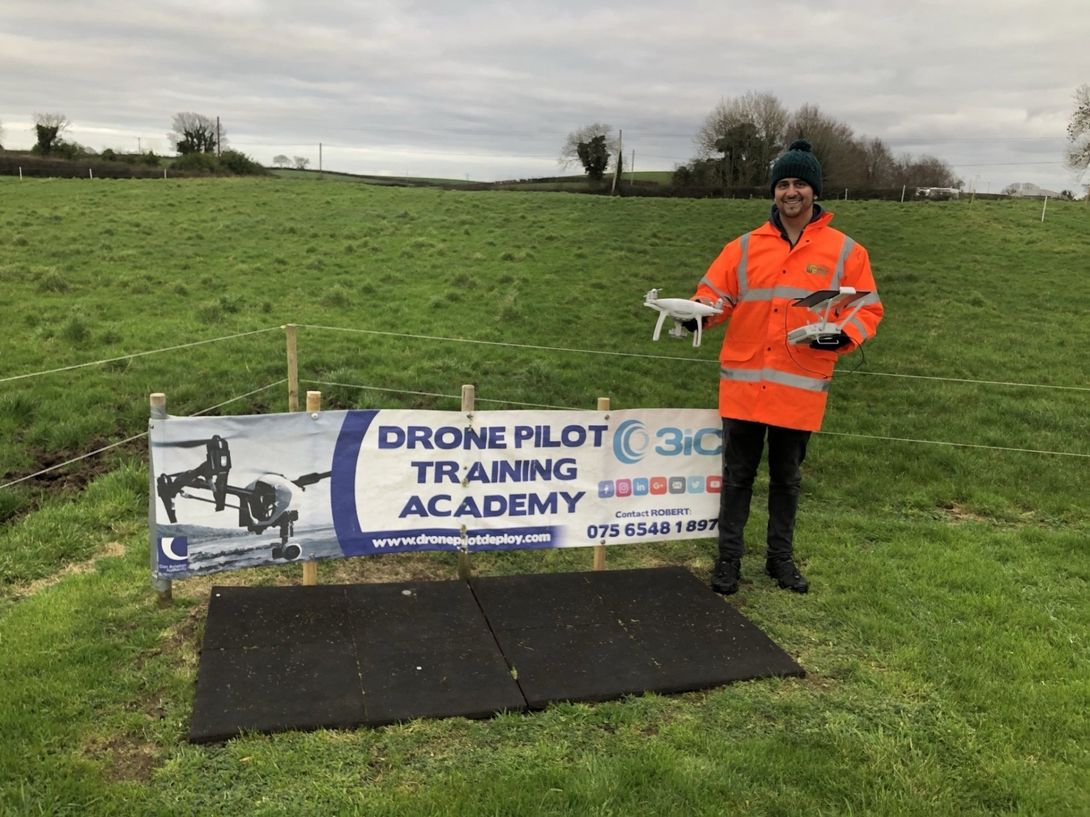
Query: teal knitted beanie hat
798, 163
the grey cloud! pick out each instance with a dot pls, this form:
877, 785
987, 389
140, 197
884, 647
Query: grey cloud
505, 82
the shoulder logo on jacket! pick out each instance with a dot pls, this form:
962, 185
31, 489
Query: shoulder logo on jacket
816, 269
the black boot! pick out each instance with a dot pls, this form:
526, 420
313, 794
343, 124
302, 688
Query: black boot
785, 573
726, 575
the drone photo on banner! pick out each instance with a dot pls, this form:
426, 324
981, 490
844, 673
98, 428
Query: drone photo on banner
233, 492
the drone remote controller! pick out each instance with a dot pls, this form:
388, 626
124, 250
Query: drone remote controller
824, 331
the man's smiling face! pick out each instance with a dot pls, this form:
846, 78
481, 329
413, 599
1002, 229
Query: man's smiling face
793, 197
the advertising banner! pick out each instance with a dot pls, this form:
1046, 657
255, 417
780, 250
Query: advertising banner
234, 492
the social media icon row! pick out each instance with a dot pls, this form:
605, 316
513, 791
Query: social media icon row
657, 486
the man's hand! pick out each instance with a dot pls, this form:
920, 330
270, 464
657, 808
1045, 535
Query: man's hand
840, 340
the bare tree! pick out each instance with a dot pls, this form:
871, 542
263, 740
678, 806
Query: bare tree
585, 136
879, 166
196, 133
843, 159
925, 171
49, 127
301, 162
753, 126
751, 130
280, 160
1078, 131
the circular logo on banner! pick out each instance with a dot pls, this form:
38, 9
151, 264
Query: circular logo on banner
630, 442
175, 548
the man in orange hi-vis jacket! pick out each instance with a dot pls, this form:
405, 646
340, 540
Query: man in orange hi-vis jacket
769, 387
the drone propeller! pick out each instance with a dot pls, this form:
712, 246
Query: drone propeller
306, 479
311, 479
183, 443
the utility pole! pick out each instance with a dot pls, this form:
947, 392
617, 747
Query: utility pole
319, 157
617, 167
217, 137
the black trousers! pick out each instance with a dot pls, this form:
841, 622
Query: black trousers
743, 443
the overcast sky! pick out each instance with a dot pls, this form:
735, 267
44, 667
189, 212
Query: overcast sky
490, 90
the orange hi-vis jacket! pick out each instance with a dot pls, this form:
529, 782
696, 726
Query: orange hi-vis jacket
757, 277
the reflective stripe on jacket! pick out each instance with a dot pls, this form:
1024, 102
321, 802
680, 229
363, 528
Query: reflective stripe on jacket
758, 276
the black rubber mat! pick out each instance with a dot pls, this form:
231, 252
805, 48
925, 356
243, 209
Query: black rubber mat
595, 636
426, 650
274, 689
281, 658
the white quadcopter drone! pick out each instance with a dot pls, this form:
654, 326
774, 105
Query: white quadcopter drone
680, 309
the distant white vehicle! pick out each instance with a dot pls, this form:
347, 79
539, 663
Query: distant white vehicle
1028, 190
937, 193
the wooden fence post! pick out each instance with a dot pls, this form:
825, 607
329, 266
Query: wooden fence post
600, 550
310, 568
293, 366
163, 589
469, 399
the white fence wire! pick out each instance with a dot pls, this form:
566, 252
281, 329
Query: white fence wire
525, 346
829, 433
103, 362
672, 358
505, 344
119, 443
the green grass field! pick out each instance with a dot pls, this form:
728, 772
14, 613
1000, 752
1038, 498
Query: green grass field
947, 633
